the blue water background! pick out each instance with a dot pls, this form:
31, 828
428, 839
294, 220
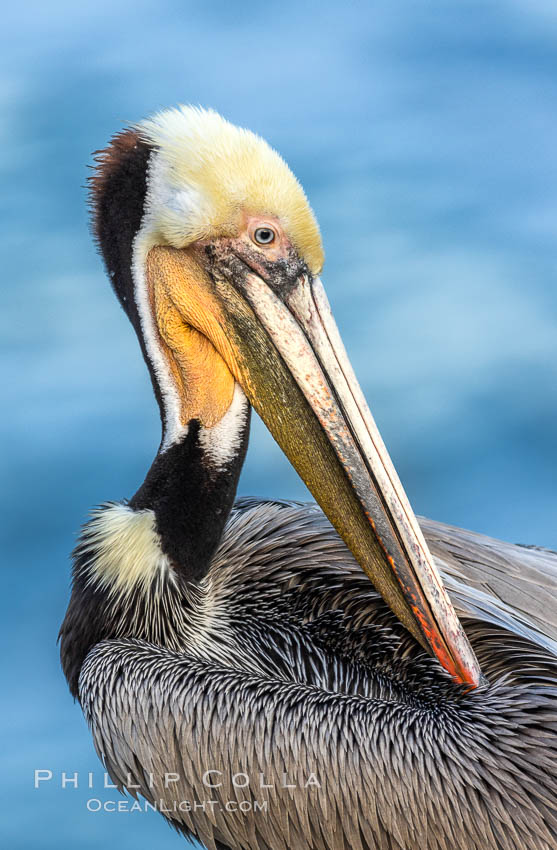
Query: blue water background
425, 136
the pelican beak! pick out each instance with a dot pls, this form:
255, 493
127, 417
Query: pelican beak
283, 347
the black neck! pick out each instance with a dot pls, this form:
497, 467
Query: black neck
191, 497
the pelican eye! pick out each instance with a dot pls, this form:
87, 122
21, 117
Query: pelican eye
264, 235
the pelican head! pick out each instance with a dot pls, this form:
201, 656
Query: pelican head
215, 254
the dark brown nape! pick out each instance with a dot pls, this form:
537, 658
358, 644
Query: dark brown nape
117, 193
110, 162
117, 197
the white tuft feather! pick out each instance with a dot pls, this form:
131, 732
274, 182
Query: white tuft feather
125, 550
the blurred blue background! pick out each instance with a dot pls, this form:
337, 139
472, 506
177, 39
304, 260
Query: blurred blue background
424, 134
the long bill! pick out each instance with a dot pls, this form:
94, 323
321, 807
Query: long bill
390, 548
283, 347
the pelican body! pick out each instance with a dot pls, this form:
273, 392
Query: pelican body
235, 663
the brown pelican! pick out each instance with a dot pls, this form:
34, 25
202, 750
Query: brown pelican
236, 666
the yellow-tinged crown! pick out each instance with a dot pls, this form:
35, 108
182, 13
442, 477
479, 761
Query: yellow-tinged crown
208, 171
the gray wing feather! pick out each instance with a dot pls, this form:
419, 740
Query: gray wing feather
471, 773
389, 777
511, 586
